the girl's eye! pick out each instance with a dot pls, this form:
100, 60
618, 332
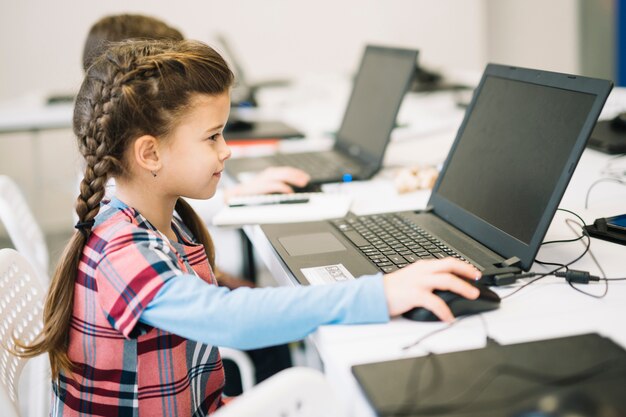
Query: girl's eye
214, 137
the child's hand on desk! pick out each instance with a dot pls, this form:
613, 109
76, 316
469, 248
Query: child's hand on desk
271, 180
413, 286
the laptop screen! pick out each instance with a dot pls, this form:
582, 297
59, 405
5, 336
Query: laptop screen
514, 154
379, 88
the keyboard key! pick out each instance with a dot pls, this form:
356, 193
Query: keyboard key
397, 259
411, 258
356, 238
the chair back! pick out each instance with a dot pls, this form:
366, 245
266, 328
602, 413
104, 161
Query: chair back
294, 392
22, 227
21, 306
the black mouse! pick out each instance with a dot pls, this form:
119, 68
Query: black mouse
460, 306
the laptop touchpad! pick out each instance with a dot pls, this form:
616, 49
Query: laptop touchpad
311, 244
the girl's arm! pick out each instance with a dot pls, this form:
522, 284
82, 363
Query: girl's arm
253, 318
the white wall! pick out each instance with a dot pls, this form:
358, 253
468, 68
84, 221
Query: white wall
534, 33
41, 41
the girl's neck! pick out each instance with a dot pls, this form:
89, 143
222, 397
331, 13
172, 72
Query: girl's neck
156, 208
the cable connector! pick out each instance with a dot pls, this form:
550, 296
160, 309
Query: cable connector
576, 276
503, 276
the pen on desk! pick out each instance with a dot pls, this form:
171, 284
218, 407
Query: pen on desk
267, 203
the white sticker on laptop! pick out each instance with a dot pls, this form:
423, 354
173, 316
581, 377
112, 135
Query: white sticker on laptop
327, 274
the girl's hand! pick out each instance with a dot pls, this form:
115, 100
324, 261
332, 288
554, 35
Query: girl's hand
413, 285
270, 180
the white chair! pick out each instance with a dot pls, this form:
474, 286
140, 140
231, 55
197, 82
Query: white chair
21, 306
22, 227
294, 392
244, 364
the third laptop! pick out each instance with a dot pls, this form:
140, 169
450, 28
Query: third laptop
379, 88
501, 183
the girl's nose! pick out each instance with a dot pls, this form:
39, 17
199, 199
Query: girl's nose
225, 151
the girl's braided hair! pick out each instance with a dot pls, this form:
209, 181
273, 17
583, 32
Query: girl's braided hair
134, 88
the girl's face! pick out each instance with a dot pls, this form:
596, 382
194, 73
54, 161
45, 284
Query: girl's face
195, 153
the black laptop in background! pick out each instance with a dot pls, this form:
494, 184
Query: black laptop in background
501, 183
379, 88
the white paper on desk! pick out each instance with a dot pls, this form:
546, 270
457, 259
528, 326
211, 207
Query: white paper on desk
378, 196
320, 207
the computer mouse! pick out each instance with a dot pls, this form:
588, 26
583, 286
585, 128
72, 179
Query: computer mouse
618, 123
460, 306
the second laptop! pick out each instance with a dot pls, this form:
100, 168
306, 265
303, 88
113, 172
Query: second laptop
379, 88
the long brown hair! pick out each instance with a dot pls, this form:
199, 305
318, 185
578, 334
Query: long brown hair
133, 89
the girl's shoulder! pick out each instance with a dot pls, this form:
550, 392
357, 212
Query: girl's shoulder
116, 227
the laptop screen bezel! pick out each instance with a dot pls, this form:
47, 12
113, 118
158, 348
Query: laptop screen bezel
496, 239
353, 150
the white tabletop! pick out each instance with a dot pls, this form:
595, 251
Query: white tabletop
32, 113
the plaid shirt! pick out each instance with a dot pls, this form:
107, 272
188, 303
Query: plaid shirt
125, 367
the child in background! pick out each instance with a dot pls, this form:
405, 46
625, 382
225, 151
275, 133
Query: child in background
133, 318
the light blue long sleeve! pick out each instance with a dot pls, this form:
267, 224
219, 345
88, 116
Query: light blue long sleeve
248, 318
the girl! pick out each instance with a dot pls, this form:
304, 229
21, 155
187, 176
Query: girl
133, 315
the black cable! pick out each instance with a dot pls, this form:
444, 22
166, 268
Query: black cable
563, 240
614, 180
569, 281
541, 276
411, 389
576, 239
559, 266
434, 332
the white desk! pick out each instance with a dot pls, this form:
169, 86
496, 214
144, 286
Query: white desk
546, 309
32, 114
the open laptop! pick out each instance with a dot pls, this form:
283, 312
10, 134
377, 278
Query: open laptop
501, 183
379, 88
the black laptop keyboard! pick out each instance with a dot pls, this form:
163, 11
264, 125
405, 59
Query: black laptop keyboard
392, 242
322, 164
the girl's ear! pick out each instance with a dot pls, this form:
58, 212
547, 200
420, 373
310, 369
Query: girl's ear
146, 154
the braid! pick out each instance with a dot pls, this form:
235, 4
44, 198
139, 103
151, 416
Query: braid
95, 147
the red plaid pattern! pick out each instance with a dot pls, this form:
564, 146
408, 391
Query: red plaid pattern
124, 367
